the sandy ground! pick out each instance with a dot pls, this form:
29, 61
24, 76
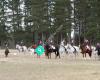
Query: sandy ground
28, 67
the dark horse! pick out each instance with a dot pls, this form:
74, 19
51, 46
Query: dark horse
50, 49
6, 52
86, 49
98, 50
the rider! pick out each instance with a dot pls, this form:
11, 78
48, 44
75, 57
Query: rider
34, 46
98, 48
40, 42
87, 44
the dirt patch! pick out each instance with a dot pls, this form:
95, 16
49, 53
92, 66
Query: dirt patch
29, 67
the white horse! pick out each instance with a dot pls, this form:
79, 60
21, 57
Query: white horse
21, 48
24, 49
18, 47
72, 49
31, 50
62, 48
94, 51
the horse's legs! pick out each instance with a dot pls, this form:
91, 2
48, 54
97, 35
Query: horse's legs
50, 55
59, 55
47, 54
55, 55
6, 55
90, 54
75, 55
85, 54
98, 57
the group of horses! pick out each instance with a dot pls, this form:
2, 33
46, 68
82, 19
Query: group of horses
60, 49
51, 48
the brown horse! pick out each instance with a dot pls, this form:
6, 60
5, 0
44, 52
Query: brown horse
86, 49
6, 52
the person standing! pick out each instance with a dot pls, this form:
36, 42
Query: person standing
98, 50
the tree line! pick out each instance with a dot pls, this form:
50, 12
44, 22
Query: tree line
27, 19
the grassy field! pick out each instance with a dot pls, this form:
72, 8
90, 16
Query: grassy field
28, 67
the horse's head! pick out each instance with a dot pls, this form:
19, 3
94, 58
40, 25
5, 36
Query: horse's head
81, 46
62, 42
17, 46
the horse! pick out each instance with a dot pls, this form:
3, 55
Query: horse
62, 48
24, 49
31, 50
86, 49
71, 49
68, 48
21, 48
6, 52
50, 49
18, 47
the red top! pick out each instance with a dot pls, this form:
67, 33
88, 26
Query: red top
34, 46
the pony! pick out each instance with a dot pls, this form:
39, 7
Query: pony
50, 49
86, 49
